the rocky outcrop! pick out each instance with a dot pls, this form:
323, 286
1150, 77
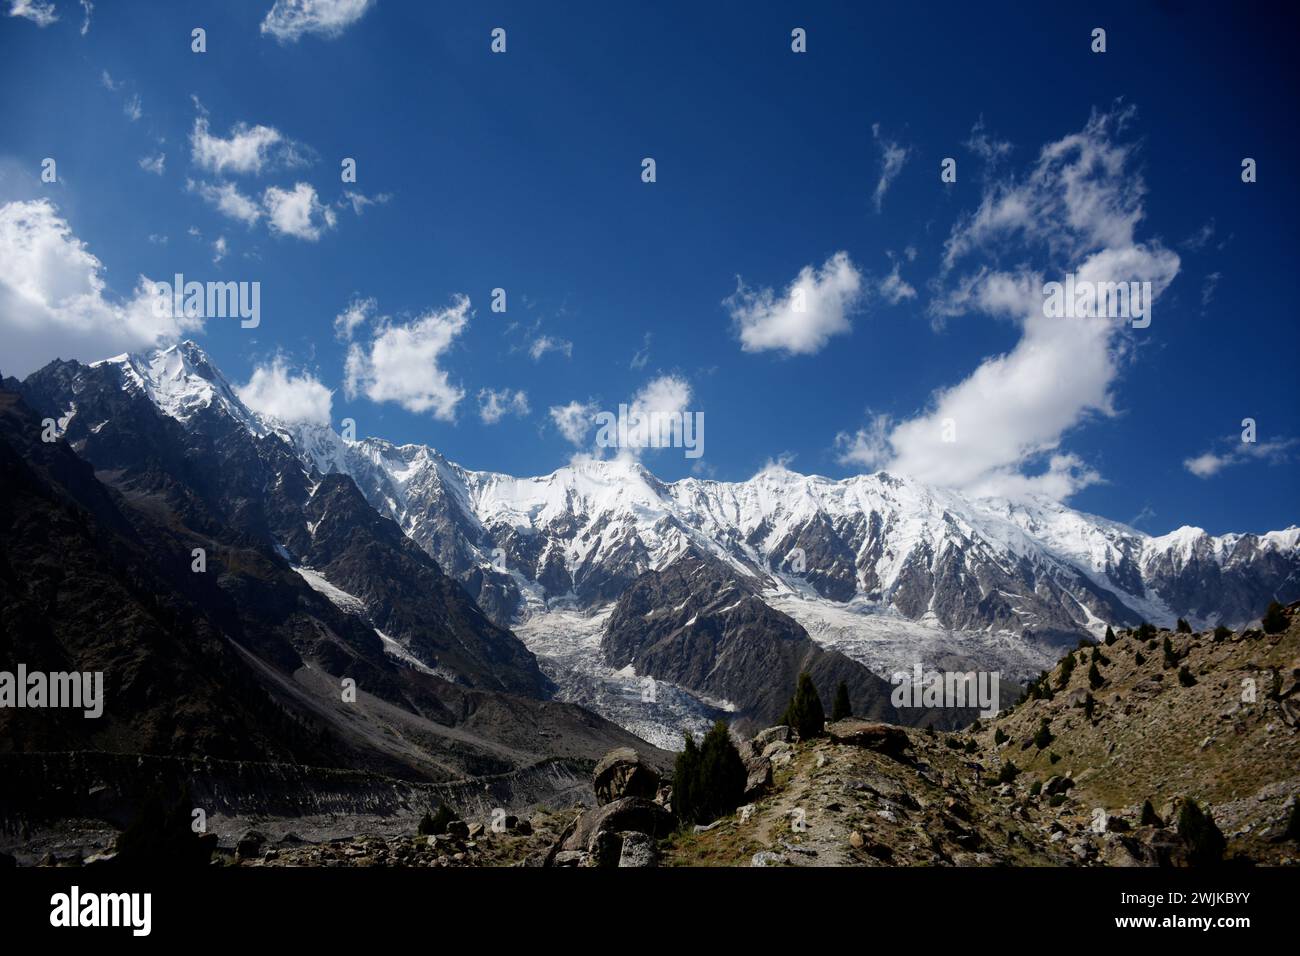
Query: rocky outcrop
622, 773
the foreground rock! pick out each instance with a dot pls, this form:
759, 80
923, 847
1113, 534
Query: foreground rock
882, 738
622, 773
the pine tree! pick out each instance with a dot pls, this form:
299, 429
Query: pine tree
708, 781
1182, 627
1222, 633
1185, 677
1171, 657
842, 708
1067, 668
1274, 619
1138, 659
1088, 705
1008, 772
1095, 679
804, 712
1110, 635
1043, 736
999, 737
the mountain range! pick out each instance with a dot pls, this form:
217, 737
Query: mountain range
555, 587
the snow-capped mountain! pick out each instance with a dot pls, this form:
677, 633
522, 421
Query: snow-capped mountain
883, 568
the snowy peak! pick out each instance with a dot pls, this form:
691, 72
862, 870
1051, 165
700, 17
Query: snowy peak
182, 381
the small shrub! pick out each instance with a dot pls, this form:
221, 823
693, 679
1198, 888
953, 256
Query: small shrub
999, 736
1008, 772
1043, 736
1149, 816
1185, 677
1095, 679
1138, 659
1274, 621
1222, 633
1036, 788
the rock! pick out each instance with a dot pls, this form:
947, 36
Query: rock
759, 777
639, 850
606, 849
782, 733
767, 858
707, 827
621, 773
523, 828
475, 831
569, 858
779, 753
1056, 784
855, 840
882, 738
458, 829
626, 813
249, 844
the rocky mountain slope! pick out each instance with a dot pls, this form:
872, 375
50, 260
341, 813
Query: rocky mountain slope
245, 658
700, 625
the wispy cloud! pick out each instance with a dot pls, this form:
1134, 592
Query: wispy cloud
40, 12
289, 20
892, 158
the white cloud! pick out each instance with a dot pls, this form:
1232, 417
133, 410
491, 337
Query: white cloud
545, 343
985, 146
278, 393
642, 355
892, 158
229, 201
297, 212
89, 8
40, 12
401, 362
495, 405
1211, 463
358, 312
359, 201
154, 164
575, 420
665, 396
219, 250
288, 20
53, 299
813, 308
894, 288
1080, 203
133, 108
248, 149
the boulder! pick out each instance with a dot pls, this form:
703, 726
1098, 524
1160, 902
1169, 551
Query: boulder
639, 850
626, 813
779, 753
621, 773
883, 738
782, 733
758, 777
458, 829
249, 845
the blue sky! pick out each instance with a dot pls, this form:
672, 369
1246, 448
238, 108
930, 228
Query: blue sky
523, 171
